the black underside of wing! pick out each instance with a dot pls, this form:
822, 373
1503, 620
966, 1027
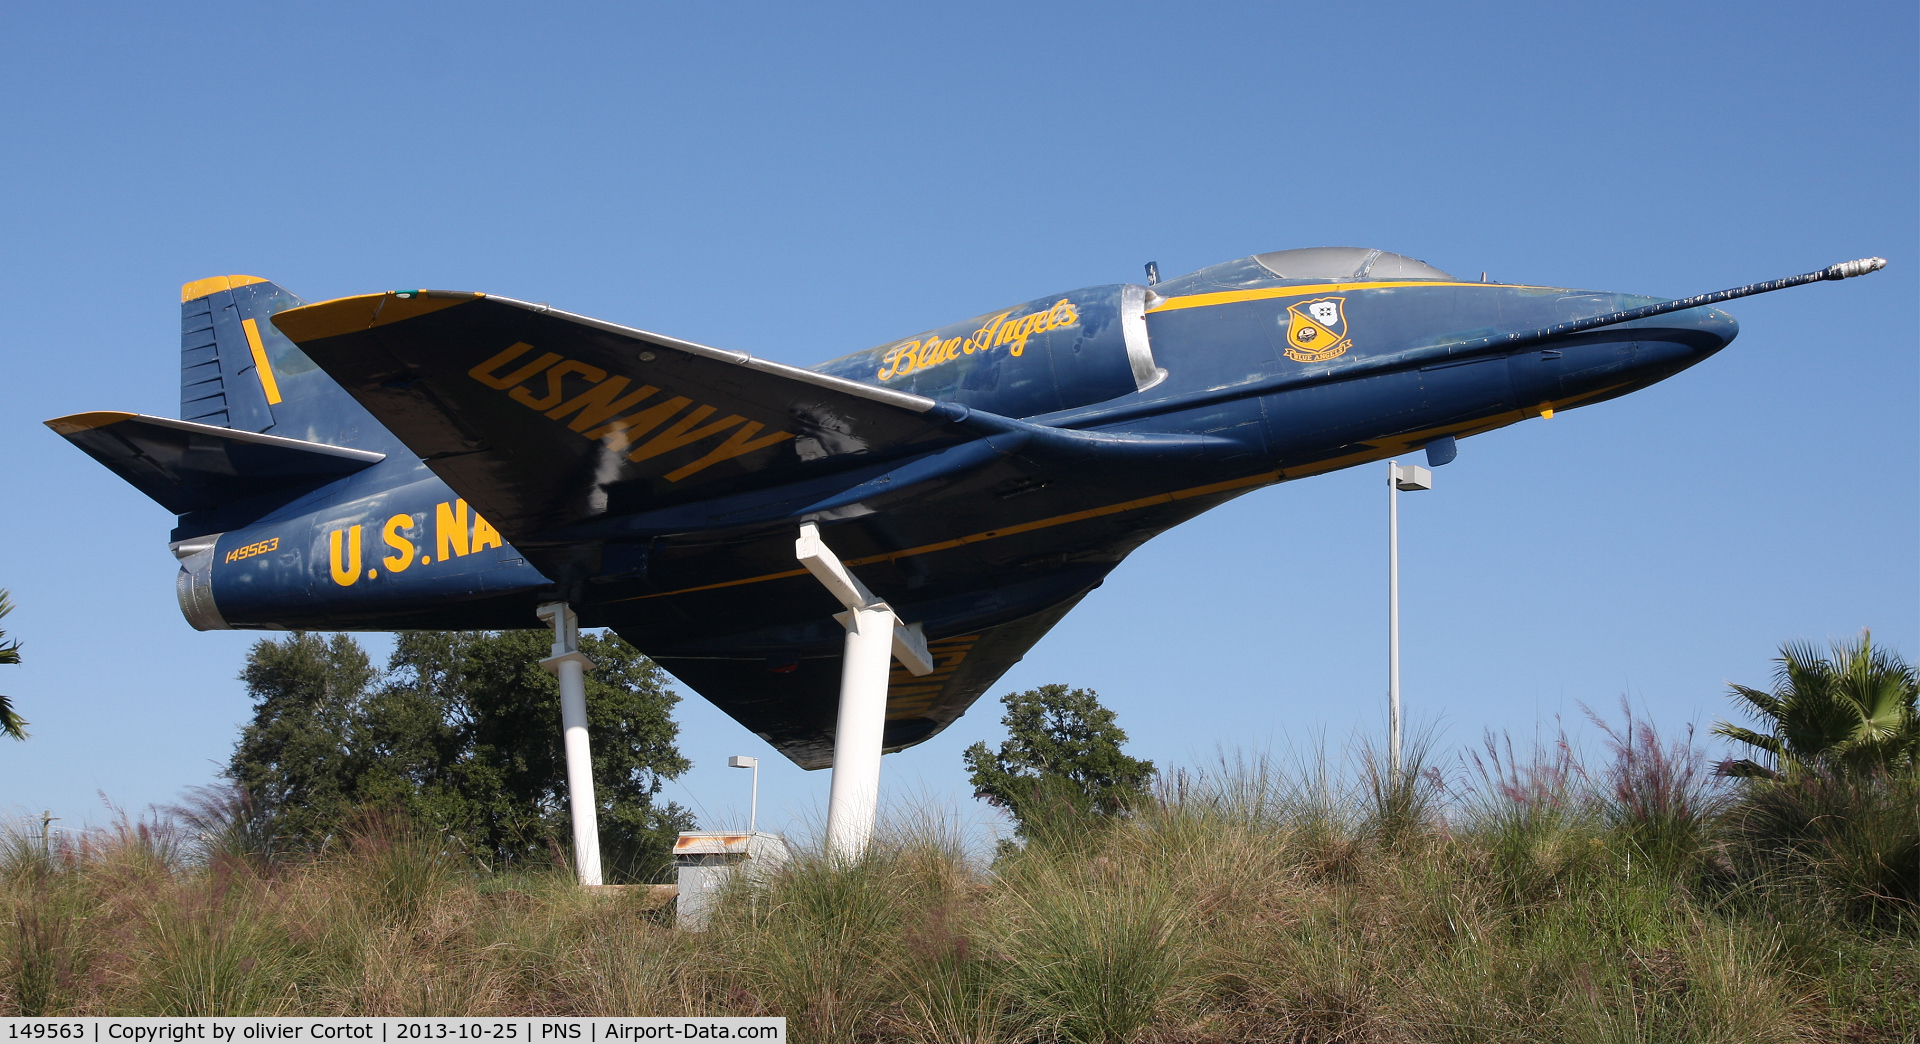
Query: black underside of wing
792, 702
187, 467
768, 651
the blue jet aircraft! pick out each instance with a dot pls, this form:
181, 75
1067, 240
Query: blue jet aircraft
437, 460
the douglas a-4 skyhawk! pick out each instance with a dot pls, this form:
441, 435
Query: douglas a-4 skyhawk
439, 460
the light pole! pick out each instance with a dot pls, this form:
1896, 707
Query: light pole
753, 805
1411, 477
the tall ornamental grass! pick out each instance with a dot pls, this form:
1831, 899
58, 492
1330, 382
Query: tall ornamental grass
1516, 893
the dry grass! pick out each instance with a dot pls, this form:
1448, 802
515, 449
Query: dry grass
1248, 904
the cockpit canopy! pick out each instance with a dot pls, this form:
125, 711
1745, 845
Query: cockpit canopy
1346, 264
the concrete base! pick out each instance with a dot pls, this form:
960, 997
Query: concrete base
708, 862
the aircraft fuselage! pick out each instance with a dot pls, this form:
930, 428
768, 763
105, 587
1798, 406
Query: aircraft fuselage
394, 547
1061, 434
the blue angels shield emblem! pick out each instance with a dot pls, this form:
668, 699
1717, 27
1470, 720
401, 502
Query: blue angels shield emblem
1317, 330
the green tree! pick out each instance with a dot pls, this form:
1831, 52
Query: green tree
462, 733
470, 726
1848, 713
1061, 767
11, 724
298, 758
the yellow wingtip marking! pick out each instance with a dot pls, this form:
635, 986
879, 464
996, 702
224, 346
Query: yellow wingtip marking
344, 315
214, 284
79, 422
268, 383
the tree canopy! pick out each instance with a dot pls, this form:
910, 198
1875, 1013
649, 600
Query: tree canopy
1061, 766
11, 723
1850, 711
462, 732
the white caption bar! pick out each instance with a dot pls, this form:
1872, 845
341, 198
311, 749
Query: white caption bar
100, 1030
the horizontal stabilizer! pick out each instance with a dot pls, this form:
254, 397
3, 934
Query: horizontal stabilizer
196, 467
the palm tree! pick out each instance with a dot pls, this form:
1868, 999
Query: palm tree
11, 724
1849, 713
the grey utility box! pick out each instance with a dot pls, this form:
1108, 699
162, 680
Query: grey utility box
706, 862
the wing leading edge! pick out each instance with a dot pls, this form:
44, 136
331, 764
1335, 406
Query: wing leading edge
562, 430
544, 419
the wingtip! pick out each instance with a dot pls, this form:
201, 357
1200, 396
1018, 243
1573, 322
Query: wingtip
344, 315
74, 423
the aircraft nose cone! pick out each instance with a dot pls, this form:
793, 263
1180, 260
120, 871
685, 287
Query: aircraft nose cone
1687, 336
1716, 324
1615, 360
1666, 344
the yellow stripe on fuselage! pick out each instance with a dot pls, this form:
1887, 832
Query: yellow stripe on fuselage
995, 534
1268, 293
1376, 450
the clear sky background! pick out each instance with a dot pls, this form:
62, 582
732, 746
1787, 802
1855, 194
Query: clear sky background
801, 181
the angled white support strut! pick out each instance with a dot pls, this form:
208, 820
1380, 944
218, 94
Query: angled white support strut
570, 665
874, 636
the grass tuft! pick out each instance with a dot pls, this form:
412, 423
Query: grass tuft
1255, 899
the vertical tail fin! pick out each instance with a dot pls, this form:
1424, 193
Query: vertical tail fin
237, 370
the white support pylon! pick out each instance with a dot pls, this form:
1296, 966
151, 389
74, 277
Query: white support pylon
874, 637
570, 665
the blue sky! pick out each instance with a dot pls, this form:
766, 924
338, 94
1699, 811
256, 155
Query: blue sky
801, 181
